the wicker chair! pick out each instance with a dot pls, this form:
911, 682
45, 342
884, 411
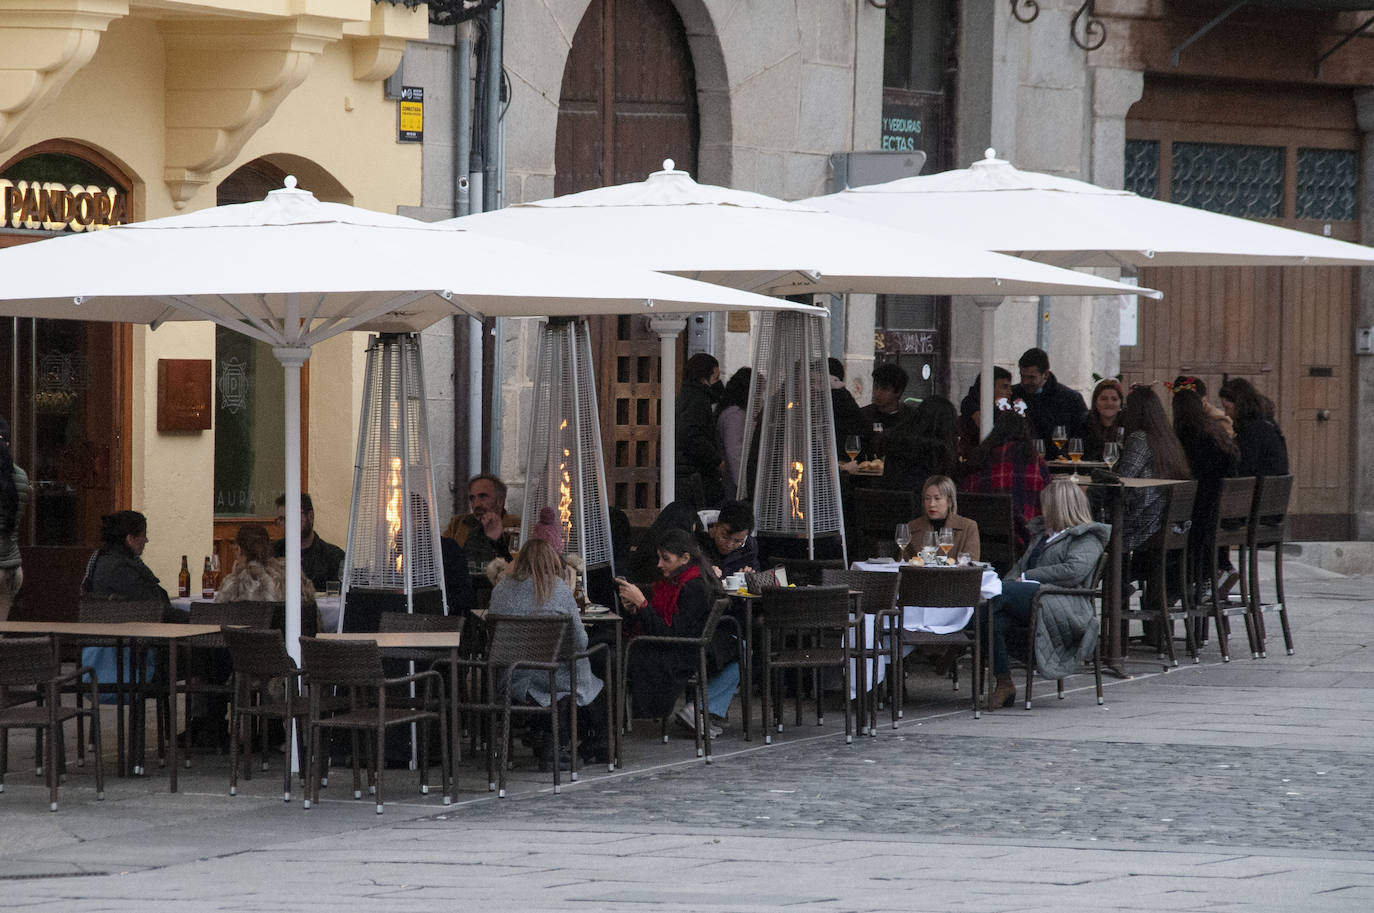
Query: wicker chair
1268, 529
355, 666
877, 597
807, 628
1167, 548
208, 666
1093, 590
937, 588
808, 571
27, 664
515, 642
1231, 528
130, 686
696, 684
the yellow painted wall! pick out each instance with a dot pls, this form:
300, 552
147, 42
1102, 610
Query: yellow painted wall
115, 104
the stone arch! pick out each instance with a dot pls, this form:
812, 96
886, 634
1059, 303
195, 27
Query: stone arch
251, 181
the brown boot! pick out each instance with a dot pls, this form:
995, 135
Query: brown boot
1003, 693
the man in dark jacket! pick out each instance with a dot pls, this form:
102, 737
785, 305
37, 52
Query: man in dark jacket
1050, 402
727, 545
888, 423
700, 453
320, 560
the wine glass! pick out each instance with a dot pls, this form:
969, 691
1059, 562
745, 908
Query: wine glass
1060, 435
851, 446
1111, 452
1075, 455
903, 536
945, 542
929, 547
1039, 445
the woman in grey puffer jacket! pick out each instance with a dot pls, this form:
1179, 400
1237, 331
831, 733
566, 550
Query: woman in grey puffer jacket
1065, 547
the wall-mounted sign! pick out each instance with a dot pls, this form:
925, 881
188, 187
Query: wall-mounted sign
52, 206
412, 114
183, 394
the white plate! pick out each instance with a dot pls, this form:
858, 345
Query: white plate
596, 610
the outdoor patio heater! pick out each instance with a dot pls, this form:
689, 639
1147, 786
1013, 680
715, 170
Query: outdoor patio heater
393, 561
564, 468
797, 487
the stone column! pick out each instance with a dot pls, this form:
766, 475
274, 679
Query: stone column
668, 327
1364, 310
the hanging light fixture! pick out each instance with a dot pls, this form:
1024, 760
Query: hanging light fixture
797, 486
564, 468
392, 562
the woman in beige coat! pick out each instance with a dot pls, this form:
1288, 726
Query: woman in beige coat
939, 510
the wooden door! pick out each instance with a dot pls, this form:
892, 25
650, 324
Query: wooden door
1286, 329
628, 102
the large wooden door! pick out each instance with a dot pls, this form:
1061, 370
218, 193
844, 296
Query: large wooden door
1286, 329
628, 102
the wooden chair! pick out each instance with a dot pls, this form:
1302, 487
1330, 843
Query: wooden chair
515, 642
355, 668
28, 664
1268, 529
996, 527
941, 587
877, 597
877, 512
696, 684
1231, 528
1092, 590
808, 628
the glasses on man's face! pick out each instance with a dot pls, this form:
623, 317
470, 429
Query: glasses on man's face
733, 539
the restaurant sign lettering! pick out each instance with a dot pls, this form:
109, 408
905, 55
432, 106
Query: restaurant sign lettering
52, 206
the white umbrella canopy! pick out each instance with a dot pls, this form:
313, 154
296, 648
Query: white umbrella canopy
672, 224
292, 271
1073, 223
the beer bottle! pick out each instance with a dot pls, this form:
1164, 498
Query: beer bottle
184, 579
207, 581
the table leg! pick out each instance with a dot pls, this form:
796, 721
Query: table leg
455, 735
172, 709
617, 695
1116, 664
746, 651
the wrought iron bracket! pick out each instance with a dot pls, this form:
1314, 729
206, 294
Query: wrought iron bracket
1216, 21
1032, 10
1317, 67
1086, 30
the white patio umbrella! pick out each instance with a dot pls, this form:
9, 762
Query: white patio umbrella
292, 271
1073, 223
672, 224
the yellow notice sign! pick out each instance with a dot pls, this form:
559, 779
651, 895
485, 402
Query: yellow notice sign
412, 113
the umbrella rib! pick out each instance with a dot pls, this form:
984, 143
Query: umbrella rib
340, 324
250, 325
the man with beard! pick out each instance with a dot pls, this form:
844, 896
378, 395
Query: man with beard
320, 561
482, 533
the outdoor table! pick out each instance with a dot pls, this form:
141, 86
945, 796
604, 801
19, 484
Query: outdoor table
437, 642
1084, 466
329, 607
1116, 506
167, 634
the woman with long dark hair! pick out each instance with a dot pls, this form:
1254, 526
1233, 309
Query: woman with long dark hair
14, 497
678, 606
116, 570
1006, 462
1103, 420
1151, 451
1263, 451
1212, 456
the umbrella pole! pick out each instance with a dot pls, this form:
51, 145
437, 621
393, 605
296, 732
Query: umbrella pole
668, 328
987, 305
292, 358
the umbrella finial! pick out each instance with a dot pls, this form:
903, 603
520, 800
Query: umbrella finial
290, 182
669, 165
989, 153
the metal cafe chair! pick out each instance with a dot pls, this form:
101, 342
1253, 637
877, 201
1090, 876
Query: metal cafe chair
1092, 590
807, 628
1268, 529
942, 587
877, 596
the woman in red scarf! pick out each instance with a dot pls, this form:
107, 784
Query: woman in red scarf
677, 606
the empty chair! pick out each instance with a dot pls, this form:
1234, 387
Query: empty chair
28, 664
809, 628
265, 686
1268, 529
941, 588
996, 527
877, 512
877, 597
208, 666
355, 667
1230, 528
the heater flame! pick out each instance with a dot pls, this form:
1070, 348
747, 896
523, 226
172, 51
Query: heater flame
393, 511
565, 495
793, 486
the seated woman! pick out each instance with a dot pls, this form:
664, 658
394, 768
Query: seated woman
1152, 451
1102, 422
1064, 552
1007, 463
940, 506
679, 606
533, 584
256, 576
116, 569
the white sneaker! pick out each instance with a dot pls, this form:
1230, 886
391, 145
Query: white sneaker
687, 716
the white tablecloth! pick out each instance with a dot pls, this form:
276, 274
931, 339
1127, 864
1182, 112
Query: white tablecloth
328, 605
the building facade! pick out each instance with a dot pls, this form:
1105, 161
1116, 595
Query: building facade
114, 111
